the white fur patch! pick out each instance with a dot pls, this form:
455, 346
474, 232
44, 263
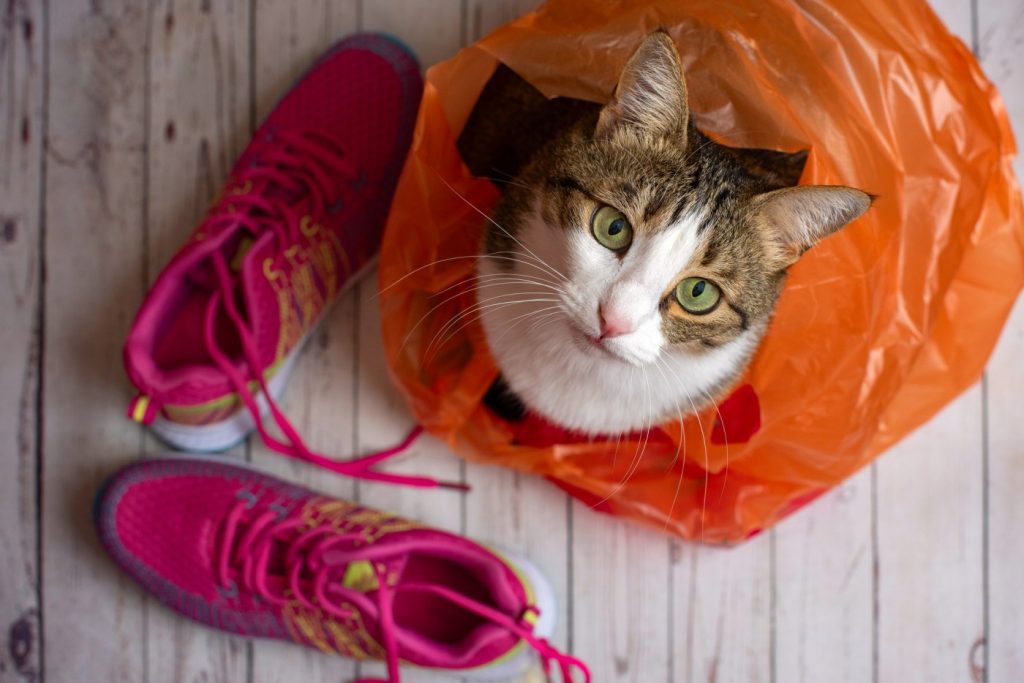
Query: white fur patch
540, 320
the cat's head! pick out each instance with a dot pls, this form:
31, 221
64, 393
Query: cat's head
636, 240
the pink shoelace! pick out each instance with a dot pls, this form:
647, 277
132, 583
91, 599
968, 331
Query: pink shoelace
305, 555
297, 164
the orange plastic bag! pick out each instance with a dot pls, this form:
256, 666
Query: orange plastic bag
879, 326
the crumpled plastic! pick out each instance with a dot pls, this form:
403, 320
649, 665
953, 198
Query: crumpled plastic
879, 326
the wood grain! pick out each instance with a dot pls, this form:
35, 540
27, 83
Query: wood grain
1000, 46
824, 588
722, 612
432, 29
930, 598
483, 16
21, 137
118, 122
198, 122
93, 615
620, 611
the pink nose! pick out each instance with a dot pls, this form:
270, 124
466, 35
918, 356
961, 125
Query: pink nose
614, 324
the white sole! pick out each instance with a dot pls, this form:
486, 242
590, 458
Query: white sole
220, 436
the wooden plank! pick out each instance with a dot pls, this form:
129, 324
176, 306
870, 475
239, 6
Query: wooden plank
722, 612
620, 606
94, 282
824, 587
21, 136
199, 109
1004, 660
289, 38
432, 29
1000, 45
383, 417
483, 16
929, 549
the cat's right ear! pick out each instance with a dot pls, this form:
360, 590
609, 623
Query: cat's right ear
798, 217
650, 97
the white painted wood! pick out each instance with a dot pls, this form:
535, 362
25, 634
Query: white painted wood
1000, 46
483, 16
432, 29
93, 615
1005, 646
320, 400
929, 541
620, 605
721, 603
642, 608
198, 123
21, 135
824, 588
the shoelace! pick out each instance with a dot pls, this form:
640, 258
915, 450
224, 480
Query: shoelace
288, 173
306, 552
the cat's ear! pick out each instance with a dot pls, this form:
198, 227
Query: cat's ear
651, 94
797, 218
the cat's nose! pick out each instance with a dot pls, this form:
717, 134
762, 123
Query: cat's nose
614, 324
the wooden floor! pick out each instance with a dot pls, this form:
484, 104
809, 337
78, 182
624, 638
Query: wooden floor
117, 121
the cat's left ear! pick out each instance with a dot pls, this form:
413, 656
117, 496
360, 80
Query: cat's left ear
650, 97
797, 218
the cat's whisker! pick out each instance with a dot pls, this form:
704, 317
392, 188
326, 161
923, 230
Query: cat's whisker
508, 177
545, 319
680, 447
503, 255
468, 290
512, 237
435, 262
506, 181
479, 313
725, 434
488, 303
634, 464
547, 310
704, 442
513, 278
478, 308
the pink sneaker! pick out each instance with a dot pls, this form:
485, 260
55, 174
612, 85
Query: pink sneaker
247, 553
300, 215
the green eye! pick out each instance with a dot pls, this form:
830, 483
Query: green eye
697, 295
611, 229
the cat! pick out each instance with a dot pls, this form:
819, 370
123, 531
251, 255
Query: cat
630, 270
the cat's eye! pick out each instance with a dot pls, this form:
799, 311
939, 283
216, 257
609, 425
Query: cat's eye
611, 228
697, 295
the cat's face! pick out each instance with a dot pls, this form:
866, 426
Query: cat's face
631, 270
